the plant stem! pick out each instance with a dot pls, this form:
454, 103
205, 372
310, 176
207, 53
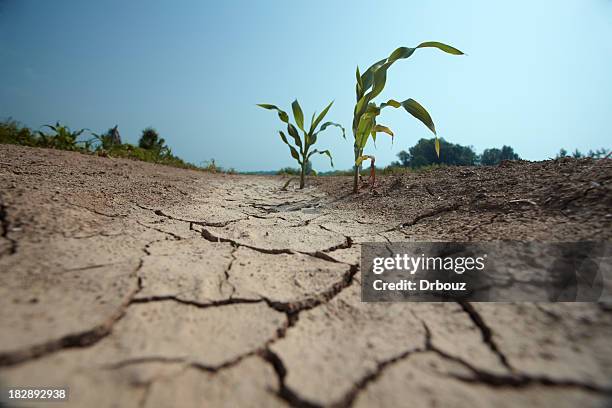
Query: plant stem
302, 174
356, 172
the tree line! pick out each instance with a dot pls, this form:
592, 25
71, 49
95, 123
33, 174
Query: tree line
453, 154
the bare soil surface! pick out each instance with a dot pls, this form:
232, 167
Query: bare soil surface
142, 285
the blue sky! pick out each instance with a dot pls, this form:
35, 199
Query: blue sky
536, 77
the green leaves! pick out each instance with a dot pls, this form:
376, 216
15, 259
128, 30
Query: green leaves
359, 86
281, 114
294, 152
319, 118
325, 152
295, 135
368, 77
371, 84
309, 137
298, 114
401, 53
415, 109
441, 46
390, 102
328, 124
383, 129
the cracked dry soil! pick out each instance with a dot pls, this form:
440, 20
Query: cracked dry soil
141, 285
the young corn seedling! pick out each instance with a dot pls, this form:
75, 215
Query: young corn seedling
301, 151
369, 86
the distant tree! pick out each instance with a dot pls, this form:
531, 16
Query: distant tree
562, 153
291, 171
150, 140
599, 153
424, 154
577, 154
494, 156
404, 159
490, 157
508, 153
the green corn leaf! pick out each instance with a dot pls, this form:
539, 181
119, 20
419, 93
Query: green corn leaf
383, 129
325, 152
437, 145
368, 77
319, 118
415, 109
312, 139
364, 130
328, 124
281, 114
376, 75
401, 53
298, 114
359, 85
283, 137
390, 102
361, 105
294, 152
441, 46
295, 135
380, 80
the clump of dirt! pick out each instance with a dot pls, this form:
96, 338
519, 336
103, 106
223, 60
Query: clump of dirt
565, 199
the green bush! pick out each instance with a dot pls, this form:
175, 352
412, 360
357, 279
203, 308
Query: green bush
12, 132
493, 156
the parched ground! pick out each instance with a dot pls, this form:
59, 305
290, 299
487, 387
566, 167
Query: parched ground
147, 286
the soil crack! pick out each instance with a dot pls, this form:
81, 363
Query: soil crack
486, 332
514, 380
284, 391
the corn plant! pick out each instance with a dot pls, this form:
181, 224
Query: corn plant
61, 138
301, 151
369, 85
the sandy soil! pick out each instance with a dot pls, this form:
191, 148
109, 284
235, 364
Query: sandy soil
141, 285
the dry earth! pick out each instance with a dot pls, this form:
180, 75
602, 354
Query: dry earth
141, 285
